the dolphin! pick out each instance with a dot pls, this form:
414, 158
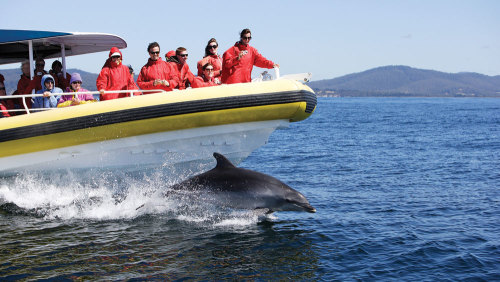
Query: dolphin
240, 188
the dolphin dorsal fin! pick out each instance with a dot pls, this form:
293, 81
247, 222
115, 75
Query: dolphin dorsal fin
222, 162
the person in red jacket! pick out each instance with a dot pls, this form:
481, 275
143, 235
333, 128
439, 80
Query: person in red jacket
114, 76
57, 74
23, 85
213, 58
5, 104
238, 61
156, 73
207, 78
178, 62
36, 82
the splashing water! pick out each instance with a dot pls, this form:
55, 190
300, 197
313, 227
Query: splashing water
112, 196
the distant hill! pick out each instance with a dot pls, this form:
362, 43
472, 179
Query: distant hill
404, 81
12, 77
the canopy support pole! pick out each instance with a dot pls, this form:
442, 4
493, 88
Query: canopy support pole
63, 56
30, 48
32, 72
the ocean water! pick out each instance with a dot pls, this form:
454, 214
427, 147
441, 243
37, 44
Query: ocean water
405, 189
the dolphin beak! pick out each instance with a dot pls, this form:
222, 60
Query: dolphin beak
308, 208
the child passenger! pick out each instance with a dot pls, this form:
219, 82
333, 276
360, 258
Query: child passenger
47, 100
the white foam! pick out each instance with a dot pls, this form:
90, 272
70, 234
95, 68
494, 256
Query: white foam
69, 197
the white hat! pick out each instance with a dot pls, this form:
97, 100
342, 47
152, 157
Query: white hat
116, 54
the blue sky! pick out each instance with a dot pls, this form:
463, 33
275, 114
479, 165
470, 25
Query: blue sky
327, 38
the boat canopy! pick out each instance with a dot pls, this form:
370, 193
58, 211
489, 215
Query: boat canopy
15, 44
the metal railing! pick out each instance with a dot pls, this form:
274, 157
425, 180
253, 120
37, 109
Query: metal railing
27, 110
131, 93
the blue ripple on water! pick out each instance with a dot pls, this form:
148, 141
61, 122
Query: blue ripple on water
405, 189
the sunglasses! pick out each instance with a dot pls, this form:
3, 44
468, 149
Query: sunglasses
156, 53
207, 69
49, 81
40, 65
115, 57
183, 55
246, 37
76, 82
212, 46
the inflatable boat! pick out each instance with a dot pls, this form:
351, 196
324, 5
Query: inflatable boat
176, 130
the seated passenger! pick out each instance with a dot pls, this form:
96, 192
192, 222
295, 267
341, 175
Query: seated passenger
77, 99
48, 88
57, 74
22, 86
5, 104
178, 63
211, 57
131, 71
238, 61
132, 74
156, 73
114, 76
207, 78
36, 82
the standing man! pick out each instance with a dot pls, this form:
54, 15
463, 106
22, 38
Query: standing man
114, 76
156, 73
238, 61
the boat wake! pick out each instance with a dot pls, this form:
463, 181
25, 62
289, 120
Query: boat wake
112, 196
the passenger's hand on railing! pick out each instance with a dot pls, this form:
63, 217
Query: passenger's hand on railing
46, 94
101, 91
165, 82
276, 66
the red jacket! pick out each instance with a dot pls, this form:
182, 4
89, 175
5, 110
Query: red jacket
184, 76
3, 108
114, 77
23, 85
201, 81
35, 83
60, 81
216, 62
159, 69
237, 71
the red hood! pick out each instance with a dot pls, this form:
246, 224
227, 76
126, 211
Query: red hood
113, 50
170, 54
108, 61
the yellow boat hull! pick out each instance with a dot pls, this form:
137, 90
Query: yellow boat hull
33, 141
